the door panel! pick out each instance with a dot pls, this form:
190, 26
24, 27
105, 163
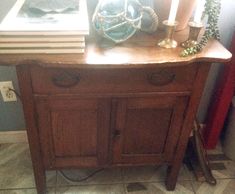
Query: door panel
71, 130
74, 132
144, 140
146, 129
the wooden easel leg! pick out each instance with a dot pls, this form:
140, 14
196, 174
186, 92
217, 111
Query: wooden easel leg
201, 154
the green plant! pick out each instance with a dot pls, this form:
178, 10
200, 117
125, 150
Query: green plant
212, 10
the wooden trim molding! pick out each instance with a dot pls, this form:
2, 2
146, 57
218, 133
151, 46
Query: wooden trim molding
13, 137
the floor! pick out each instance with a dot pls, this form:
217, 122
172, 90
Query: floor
16, 177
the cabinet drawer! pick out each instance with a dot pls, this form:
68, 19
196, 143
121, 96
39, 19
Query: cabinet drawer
71, 81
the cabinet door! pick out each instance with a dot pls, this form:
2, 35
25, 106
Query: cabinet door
146, 130
74, 132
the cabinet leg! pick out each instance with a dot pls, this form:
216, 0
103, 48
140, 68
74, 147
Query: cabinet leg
190, 115
171, 179
40, 181
25, 84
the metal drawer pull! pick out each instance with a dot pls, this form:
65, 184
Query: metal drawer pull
66, 80
161, 78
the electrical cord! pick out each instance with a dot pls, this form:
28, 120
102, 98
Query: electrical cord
80, 179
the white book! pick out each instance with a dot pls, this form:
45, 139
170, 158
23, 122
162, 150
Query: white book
66, 23
43, 45
10, 39
41, 33
42, 51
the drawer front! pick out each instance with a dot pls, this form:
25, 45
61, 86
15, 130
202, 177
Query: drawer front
71, 81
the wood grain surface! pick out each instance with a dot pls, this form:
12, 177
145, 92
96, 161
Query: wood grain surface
139, 51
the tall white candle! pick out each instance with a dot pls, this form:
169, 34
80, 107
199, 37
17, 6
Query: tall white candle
199, 11
173, 11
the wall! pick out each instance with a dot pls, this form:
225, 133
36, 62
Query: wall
11, 115
227, 27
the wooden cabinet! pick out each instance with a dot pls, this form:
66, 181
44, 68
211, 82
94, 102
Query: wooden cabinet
133, 104
111, 117
101, 129
101, 117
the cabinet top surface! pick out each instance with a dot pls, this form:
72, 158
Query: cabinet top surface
139, 51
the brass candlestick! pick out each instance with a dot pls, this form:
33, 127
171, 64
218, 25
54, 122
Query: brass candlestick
169, 42
194, 31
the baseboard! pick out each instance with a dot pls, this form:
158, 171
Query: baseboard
13, 137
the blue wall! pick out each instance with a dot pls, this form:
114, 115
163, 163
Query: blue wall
11, 114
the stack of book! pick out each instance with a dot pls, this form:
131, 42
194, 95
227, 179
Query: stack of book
51, 32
